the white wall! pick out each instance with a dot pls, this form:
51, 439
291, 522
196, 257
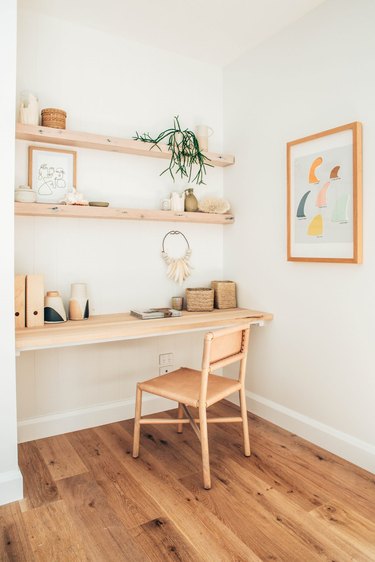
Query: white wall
112, 86
10, 476
312, 370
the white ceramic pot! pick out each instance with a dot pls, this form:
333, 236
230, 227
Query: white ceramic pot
54, 311
202, 133
79, 302
24, 194
29, 109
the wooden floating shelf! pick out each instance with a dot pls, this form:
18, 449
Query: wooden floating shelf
102, 142
88, 212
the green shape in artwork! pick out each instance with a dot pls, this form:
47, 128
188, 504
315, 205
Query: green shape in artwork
340, 212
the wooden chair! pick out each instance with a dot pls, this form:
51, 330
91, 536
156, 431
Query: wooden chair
201, 389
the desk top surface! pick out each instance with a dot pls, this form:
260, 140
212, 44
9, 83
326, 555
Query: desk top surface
123, 326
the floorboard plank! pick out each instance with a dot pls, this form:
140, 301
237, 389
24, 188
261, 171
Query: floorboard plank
105, 536
124, 495
14, 542
39, 486
53, 535
60, 457
354, 528
164, 541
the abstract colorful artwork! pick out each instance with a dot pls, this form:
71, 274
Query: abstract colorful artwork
325, 196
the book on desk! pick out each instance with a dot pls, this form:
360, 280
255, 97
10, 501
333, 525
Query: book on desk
155, 313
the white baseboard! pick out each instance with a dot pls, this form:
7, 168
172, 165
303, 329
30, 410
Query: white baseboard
346, 446
11, 486
100, 414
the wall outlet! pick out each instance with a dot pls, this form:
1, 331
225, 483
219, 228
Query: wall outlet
165, 359
165, 370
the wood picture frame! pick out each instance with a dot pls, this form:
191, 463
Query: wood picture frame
52, 173
324, 196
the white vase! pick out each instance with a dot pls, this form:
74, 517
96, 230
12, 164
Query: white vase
202, 133
79, 302
29, 109
54, 311
177, 201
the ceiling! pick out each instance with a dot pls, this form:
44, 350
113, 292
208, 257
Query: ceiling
213, 31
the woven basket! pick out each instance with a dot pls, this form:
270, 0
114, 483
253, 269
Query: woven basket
199, 300
225, 294
52, 117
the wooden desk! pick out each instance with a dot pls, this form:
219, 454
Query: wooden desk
117, 327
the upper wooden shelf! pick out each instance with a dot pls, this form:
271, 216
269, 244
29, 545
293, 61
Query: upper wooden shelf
88, 212
103, 142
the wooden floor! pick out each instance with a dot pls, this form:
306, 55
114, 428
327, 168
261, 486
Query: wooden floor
86, 498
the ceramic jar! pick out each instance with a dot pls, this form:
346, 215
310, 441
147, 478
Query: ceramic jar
191, 202
24, 194
29, 109
79, 302
177, 201
54, 311
203, 132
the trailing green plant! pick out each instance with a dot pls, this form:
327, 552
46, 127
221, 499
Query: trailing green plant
185, 152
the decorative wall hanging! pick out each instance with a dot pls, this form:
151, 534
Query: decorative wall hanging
179, 269
52, 173
324, 196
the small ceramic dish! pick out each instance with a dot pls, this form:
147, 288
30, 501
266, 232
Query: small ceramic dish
98, 203
24, 194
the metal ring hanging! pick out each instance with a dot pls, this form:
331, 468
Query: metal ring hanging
178, 269
173, 232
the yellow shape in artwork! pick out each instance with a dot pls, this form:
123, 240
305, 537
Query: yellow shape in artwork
312, 176
315, 227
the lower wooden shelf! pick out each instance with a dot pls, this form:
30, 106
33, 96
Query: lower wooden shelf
115, 327
88, 212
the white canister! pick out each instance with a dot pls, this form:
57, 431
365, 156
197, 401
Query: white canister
54, 311
79, 302
24, 194
202, 133
29, 109
177, 201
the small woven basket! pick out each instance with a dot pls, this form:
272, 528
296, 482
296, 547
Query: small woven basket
225, 294
52, 117
199, 300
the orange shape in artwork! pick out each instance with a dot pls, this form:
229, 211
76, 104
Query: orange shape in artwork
312, 176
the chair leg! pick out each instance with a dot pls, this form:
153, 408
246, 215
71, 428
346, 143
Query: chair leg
204, 446
180, 415
245, 426
137, 425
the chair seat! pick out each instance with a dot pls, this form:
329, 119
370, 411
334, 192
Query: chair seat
184, 385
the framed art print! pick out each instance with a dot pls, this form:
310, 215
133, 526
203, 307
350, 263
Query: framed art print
52, 173
324, 196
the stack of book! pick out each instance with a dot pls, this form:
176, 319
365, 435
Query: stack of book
156, 313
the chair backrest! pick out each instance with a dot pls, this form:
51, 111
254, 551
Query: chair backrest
223, 347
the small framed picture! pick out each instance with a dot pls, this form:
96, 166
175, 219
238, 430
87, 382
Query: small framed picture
324, 176
52, 173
